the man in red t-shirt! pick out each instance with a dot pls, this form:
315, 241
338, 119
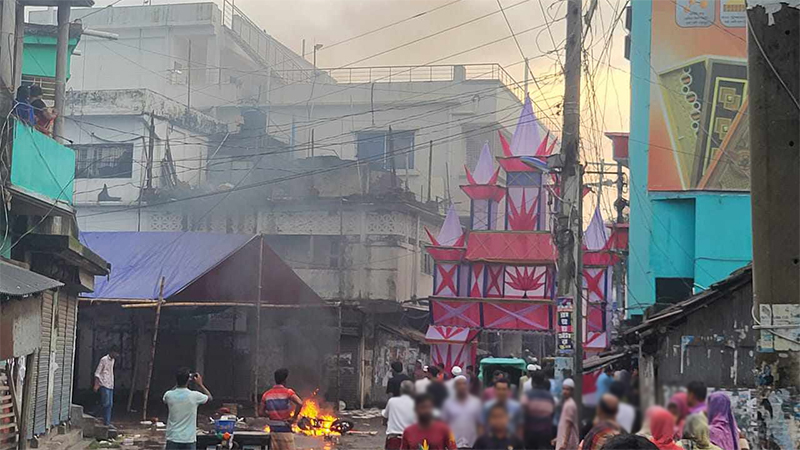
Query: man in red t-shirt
427, 433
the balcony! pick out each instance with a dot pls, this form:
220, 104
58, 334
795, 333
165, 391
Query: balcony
41, 167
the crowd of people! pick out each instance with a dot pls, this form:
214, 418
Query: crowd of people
436, 409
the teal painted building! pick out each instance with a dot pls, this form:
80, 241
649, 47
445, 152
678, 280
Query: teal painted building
680, 241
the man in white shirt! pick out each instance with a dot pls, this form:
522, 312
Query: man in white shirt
421, 385
104, 383
462, 412
626, 413
182, 403
455, 372
398, 415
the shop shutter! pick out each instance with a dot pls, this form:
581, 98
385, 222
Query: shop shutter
69, 356
43, 366
60, 358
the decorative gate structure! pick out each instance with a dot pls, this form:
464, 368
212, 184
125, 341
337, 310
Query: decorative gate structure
500, 274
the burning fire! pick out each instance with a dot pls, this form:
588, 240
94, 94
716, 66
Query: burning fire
317, 423
312, 421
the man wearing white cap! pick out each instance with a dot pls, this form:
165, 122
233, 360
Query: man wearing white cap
462, 412
568, 437
456, 372
525, 381
421, 385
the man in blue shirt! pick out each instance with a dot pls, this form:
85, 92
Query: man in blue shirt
502, 392
182, 403
604, 381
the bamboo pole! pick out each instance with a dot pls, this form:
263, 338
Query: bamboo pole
236, 304
254, 359
151, 362
135, 329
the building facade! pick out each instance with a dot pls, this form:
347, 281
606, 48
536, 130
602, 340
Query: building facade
690, 219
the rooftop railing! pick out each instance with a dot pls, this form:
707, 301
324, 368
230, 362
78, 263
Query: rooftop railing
410, 74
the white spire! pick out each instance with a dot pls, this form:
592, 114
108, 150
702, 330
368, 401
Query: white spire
451, 228
526, 138
484, 169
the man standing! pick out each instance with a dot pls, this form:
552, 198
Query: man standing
568, 435
605, 424
399, 414
604, 381
455, 372
427, 433
182, 404
104, 383
462, 412
502, 396
393, 386
276, 405
437, 388
626, 417
421, 385
498, 437
696, 397
540, 408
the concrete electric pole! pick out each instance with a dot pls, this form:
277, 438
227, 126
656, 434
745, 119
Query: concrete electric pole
569, 218
773, 58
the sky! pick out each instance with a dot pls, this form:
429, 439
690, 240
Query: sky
448, 32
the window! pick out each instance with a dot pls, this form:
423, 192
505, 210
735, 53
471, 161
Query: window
103, 160
374, 147
673, 290
427, 263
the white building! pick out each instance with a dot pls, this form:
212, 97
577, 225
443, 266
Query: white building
224, 93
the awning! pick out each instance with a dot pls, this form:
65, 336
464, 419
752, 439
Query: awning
139, 260
440, 333
17, 281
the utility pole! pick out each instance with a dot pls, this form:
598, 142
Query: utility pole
189, 80
568, 238
527, 76
622, 257
7, 31
62, 58
150, 154
773, 58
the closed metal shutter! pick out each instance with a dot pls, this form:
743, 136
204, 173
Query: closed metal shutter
69, 356
60, 358
43, 366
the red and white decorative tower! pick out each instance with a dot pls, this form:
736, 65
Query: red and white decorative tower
506, 274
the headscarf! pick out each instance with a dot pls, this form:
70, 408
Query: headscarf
681, 402
721, 423
696, 430
662, 428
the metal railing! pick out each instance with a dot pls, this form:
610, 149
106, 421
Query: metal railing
410, 74
269, 51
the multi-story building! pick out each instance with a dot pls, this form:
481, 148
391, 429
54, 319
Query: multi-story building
690, 213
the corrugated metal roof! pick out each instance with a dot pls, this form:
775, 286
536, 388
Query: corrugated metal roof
17, 281
690, 304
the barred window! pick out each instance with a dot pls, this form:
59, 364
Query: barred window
374, 147
113, 160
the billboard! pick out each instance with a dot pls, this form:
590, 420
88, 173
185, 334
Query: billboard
699, 136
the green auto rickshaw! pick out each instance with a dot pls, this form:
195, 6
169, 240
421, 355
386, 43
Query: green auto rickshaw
514, 367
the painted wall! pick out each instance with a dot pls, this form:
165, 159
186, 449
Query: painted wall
41, 165
692, 234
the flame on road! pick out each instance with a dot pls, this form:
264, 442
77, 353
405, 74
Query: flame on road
312, 421
319, 422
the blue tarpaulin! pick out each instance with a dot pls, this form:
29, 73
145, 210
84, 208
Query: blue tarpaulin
139, 260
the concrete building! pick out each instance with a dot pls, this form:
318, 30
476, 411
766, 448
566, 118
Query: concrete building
690, 219
194, 53
450, 111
